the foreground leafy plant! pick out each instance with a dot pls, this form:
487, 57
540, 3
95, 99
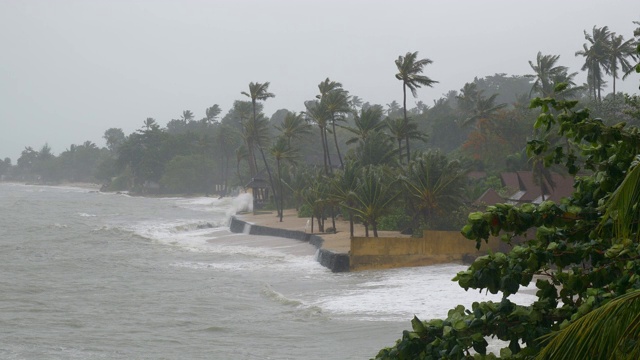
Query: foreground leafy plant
581, 253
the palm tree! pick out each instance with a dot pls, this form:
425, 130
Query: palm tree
355, 102
372, 198
343, 189
150, 124
319, 114
281, 151
337, 104
327, 86
294, 126
547, 74
619, 53
241, 154
257, 92
393, 108
376, 149
608, 332
409, 70
336, 100
476, 105
435, 185
400, 130
596, 57
368, 121
187, 116
212, 113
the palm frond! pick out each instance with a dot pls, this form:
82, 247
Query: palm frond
609, 332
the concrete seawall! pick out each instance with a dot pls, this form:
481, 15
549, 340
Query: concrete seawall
336, 262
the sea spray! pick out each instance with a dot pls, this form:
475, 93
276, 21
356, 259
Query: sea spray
241, 203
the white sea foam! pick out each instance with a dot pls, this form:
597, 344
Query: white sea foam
86, 215
393, 295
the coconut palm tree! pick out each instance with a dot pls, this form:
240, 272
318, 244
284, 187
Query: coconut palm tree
281, 151
355, 102
400, 130
337, 104
547, 74
619, 53
476, 105
608, 332
211, 113
327, 86
336, 101
294, 126
368, 121
319, 114
373, 196
409, 70
186, 116
344, 185
150, 124
376, 149
258, 92
435, 185
596, 57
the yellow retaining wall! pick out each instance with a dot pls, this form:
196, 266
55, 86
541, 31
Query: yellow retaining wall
435, 247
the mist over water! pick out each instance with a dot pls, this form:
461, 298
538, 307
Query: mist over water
88, 275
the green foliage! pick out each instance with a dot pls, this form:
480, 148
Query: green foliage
578, 258
187, 175
397, 221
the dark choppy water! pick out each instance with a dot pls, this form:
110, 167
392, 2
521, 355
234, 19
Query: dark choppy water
86, 275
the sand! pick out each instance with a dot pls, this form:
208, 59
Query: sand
340, 242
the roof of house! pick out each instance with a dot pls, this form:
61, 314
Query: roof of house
524, 189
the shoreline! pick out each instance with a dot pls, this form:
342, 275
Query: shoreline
336, 261
333, 248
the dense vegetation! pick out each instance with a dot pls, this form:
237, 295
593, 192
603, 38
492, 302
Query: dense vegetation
395, 167
582, 254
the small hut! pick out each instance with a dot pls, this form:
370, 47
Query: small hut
259, 189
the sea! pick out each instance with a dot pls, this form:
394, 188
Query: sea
91, 275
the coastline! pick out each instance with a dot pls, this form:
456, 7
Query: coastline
333, 248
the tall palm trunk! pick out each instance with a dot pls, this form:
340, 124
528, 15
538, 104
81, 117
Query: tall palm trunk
335, 140
406, 121
273, 189
326, 145
325, 153
281, 189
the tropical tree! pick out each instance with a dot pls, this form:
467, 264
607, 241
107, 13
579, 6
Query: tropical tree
581, 253
435, 186
282, 151
547, 74
336, 102
596, 54
344, 185
114, 137
376, 149
150, 124
366, 122
294, 126
257, 92
399, 130
608, 332
211, 113
475, 105
186, 116
620, 52
409, 70
373, 196
318, 113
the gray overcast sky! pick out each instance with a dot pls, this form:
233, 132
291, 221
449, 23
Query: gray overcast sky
69, 70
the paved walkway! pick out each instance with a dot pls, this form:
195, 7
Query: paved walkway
340, 242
